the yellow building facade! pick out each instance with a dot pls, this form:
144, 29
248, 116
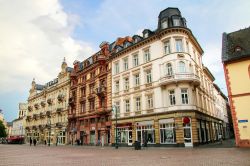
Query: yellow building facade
47, 115
236, 61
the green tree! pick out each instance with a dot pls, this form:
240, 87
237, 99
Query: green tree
2, 130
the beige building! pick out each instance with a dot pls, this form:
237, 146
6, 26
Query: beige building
19, 124
162, 92
236, 62
47, 116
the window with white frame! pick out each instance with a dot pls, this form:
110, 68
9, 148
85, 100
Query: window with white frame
164, 24
148, 76
117, 105
117, 86
169, 69
172, 97
145, 133
167, 49
176, 22
182, 67
150, 101
167, 133
125, 64
137, 79
179, 45
116, 67
138, 103
127, 106
147, 57
184, 96
126, 83
135, 60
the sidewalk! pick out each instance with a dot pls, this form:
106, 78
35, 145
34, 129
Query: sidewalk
229, 143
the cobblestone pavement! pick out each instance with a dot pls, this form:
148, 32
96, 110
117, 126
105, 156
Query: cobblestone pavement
11, 155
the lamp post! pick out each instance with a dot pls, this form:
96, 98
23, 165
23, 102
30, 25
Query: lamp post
115, 110
49, 126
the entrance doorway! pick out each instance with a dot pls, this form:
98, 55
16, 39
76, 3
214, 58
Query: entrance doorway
92, 137
187, 129
130, 142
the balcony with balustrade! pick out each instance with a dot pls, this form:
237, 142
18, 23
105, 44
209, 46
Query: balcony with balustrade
179, 78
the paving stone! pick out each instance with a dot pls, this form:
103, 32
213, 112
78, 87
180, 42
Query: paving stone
24, 155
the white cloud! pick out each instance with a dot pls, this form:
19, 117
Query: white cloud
35, 36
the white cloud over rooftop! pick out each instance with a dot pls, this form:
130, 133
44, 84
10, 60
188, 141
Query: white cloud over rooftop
35, 36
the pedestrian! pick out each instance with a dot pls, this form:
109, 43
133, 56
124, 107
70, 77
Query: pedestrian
45, 142
34, 141
220, 138
30, 141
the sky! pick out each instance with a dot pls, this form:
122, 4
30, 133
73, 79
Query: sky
35, 35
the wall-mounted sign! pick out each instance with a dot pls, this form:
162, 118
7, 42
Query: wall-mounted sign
243, 121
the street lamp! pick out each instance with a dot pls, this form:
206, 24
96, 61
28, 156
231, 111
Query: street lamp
49, 126
115, 110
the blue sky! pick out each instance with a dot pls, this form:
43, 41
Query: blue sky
34, 41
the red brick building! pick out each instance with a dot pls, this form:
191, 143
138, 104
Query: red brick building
90, 99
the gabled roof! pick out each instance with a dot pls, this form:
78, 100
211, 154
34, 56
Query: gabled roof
236, 45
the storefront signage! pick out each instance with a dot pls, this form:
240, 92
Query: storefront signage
243, 121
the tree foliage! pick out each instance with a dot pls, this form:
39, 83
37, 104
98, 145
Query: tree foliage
2, 130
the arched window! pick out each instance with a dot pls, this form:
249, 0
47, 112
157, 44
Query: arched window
182, 67
169, 69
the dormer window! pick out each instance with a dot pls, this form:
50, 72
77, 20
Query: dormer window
237, 49
164, 24
145, 34
136, 40
176, 22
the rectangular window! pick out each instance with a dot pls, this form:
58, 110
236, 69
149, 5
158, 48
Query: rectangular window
145, 133
137, 79
116, 67
179, 46
137, 103
126, 83
91, 88
184, 96
176, 22
83, 91
92, 104
127, 106
125, 64
148, 76
167, 133
147, 57
149, 101
167, 49
172, 97
83, 106
117, 86
117, 104
135, 60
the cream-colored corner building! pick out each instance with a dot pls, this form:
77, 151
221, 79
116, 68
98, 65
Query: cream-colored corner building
236, 62
163, 93
47, 116
19, 124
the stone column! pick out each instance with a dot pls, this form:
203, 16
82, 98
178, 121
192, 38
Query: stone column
179, 130
157, 134
194, 130
133, 132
